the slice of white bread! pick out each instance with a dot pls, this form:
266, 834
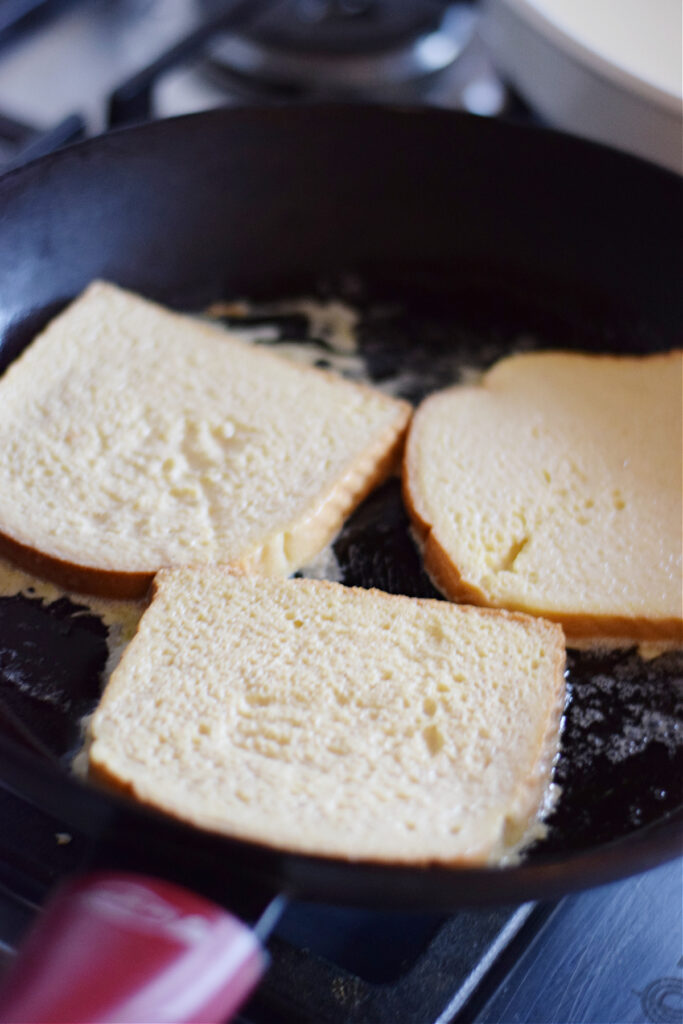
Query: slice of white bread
330, 720
555, 488
133, 438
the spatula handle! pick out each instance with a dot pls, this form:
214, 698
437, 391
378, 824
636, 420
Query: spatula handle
128, 948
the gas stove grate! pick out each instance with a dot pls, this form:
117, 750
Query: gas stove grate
25, 142
132, 100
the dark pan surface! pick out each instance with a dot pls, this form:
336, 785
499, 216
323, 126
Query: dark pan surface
439, 293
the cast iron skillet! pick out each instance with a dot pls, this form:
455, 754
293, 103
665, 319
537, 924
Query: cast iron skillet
477, 234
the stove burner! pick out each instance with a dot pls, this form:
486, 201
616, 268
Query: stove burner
346, 49
344, 26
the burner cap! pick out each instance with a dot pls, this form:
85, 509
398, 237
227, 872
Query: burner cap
344, 26
343, 48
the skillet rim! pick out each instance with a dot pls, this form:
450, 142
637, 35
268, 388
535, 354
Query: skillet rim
493, 124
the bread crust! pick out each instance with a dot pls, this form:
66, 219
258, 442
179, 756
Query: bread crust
83, 579
448, 579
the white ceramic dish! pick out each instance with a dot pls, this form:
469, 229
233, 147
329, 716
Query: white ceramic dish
609, 70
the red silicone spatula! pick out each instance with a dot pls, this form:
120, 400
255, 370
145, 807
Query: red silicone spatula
129, 948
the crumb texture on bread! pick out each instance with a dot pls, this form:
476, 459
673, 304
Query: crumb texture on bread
133, 438
336, 721
555, 488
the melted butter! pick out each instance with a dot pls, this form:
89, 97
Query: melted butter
120, 617
324, 566
81, 762
350, 366
648, 650
333, 321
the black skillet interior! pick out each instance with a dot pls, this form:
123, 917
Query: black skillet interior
457, 240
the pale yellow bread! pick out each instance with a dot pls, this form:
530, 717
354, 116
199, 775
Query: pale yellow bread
329, 720
133, 438
554, 488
